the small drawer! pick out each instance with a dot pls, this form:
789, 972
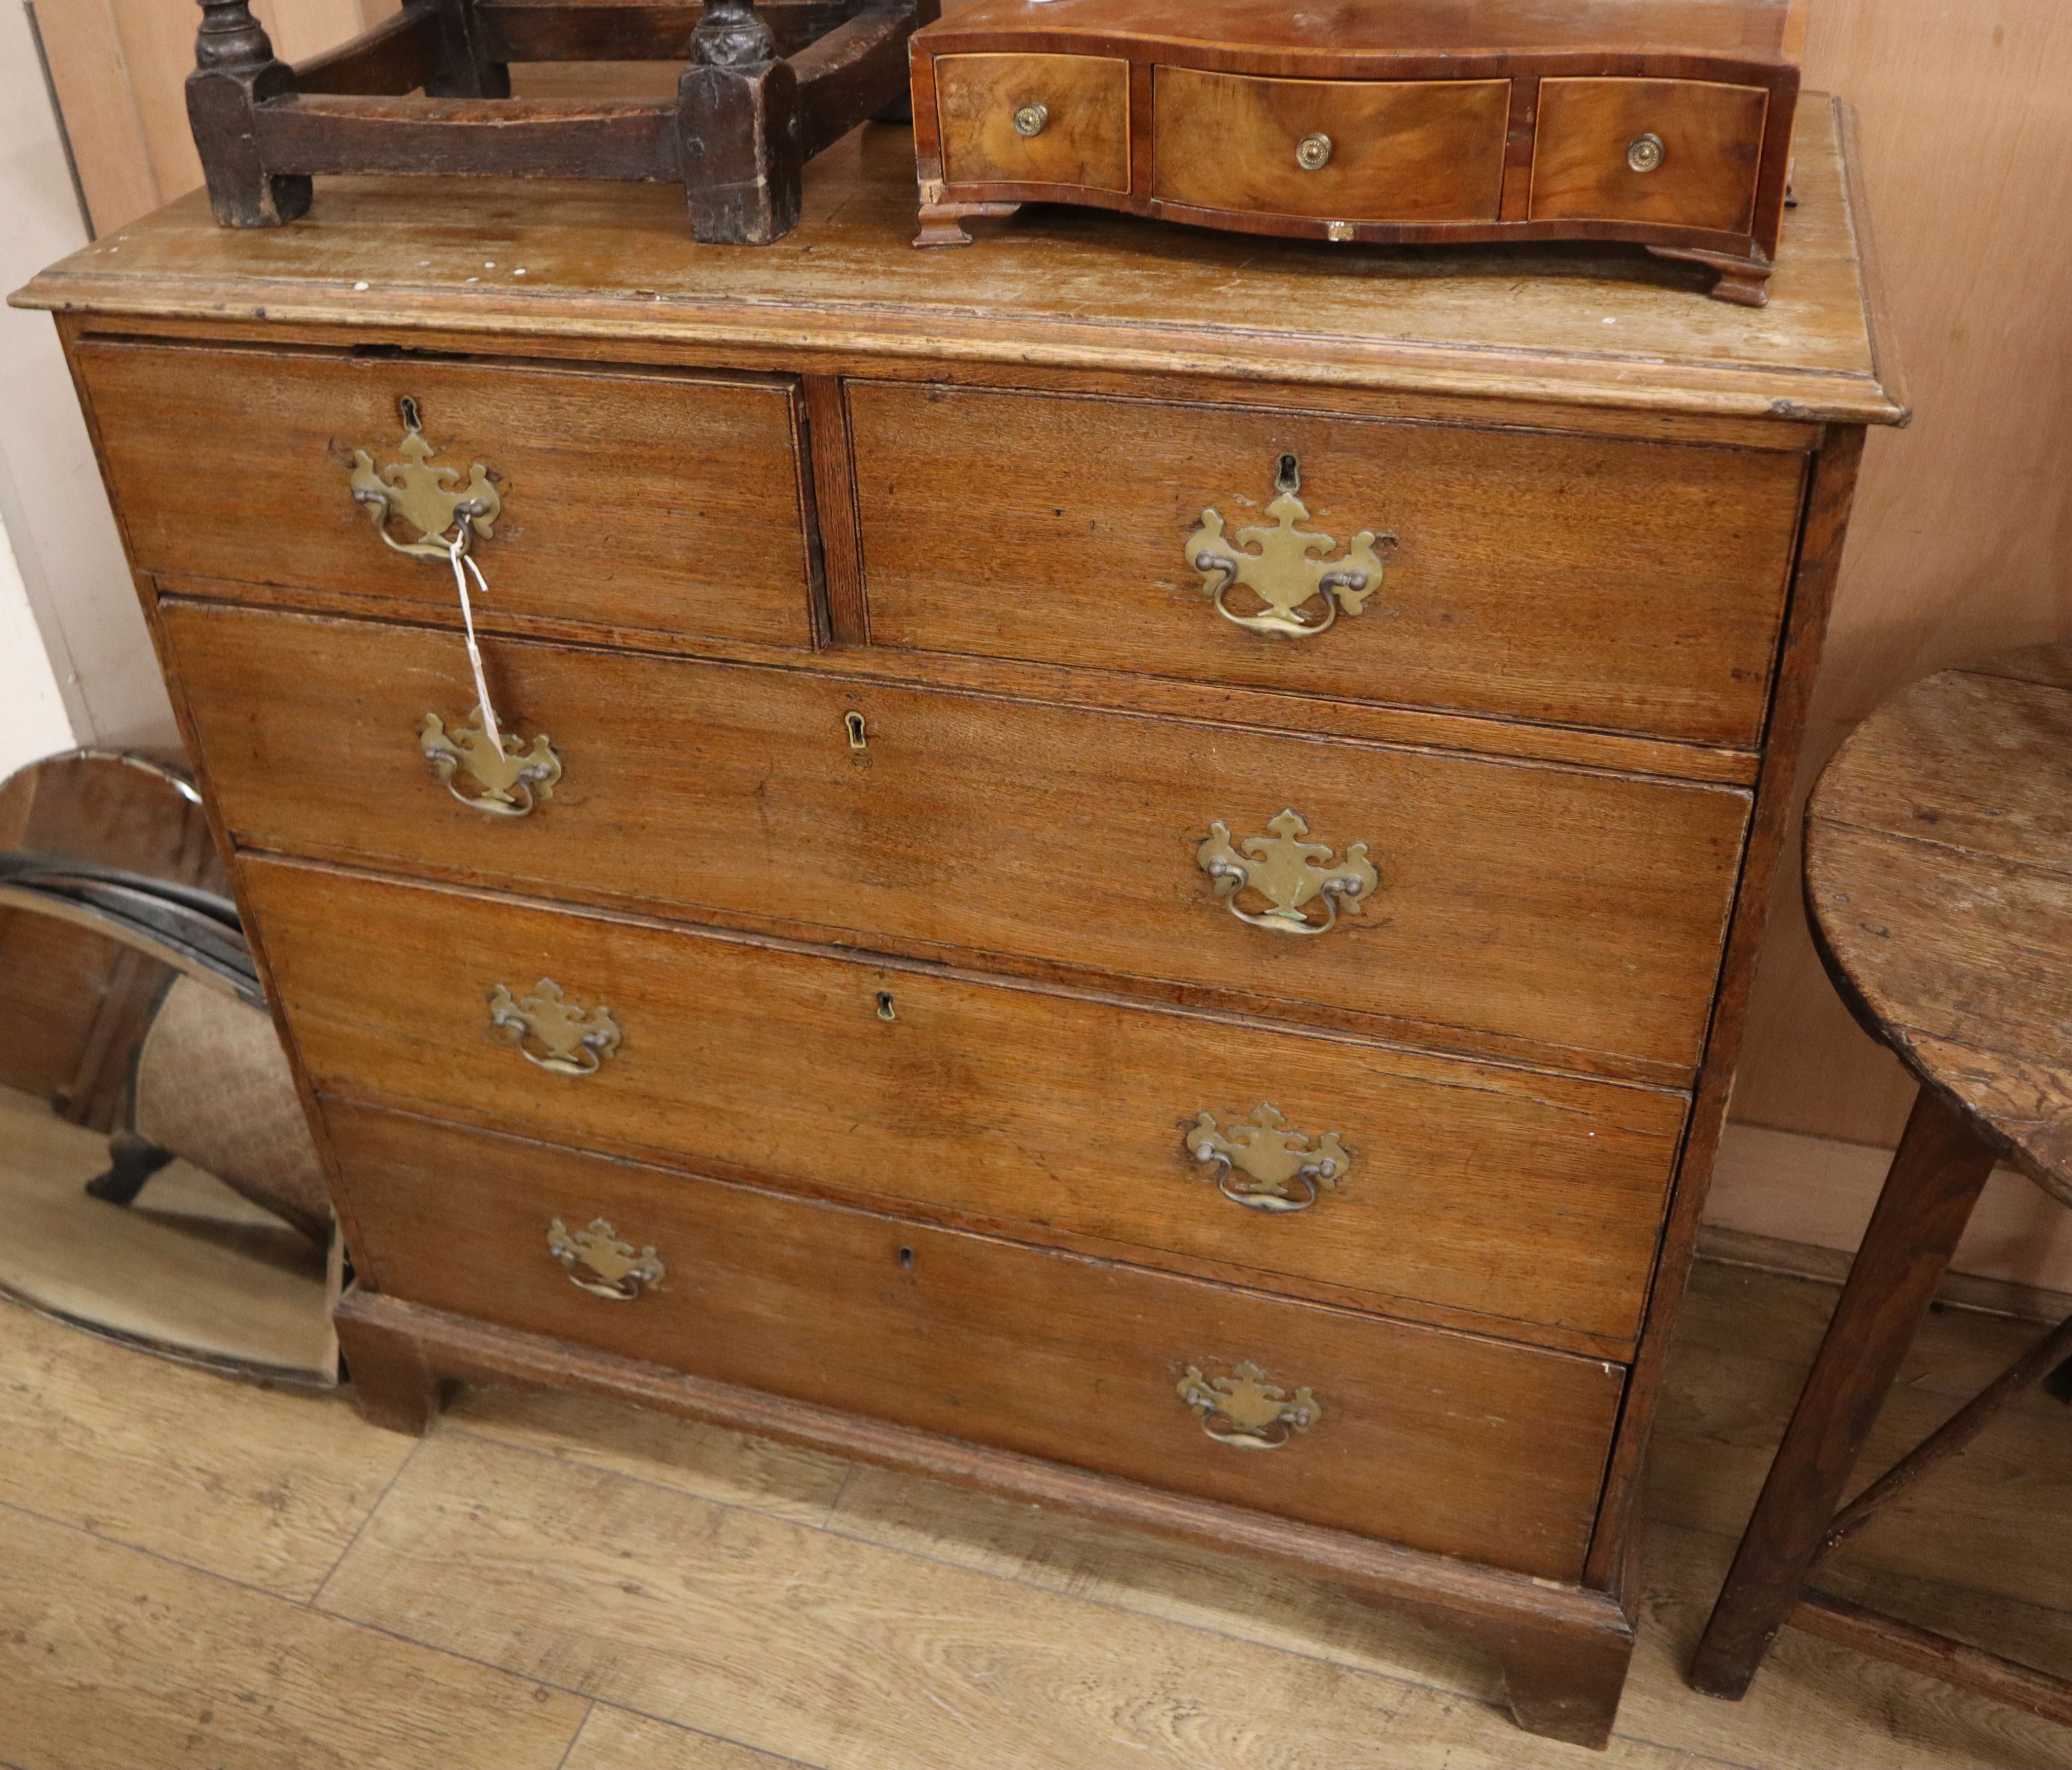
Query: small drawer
1583, 912
1034, 120
1440, 1441
1522, 1199
1621, 585
1681, 152
1330, 150
627, 498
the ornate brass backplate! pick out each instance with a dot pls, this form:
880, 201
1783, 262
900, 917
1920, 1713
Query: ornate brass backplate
1282, 566
508, 780
1247, 1412
428, 498
598, 1262
1288, 873
553, 1032
1284, 1170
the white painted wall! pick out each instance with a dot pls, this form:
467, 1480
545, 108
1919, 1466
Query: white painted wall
33, 721
84, 632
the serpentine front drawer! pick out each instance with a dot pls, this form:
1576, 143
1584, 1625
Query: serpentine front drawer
620, 498
1440, 1441
1542, 911
1587, 580
1515, 1202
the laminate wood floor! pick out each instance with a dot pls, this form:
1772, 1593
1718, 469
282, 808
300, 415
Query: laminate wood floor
197, 1572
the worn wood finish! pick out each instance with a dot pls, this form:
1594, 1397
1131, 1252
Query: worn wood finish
1936, 853
1557, 909
1084, 135
1440, 120
1439, 1442
1004, 828
1515, 1203
635, 499
1615, 585
1401, 150
744, 121
1712, 136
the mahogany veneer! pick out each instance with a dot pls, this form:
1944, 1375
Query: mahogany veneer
884, 739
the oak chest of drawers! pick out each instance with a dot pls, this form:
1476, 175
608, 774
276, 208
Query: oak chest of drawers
1123, 870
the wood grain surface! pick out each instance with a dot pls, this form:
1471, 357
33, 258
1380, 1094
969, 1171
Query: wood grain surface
1437, 1441
1712, 140
1414, 150
1512, 1202
610, 262
636, 497
1578, 912
1084, 139
1939, 872
1619, 585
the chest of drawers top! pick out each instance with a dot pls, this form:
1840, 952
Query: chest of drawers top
607, 269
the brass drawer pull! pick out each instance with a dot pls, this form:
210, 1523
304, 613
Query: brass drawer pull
1313, 153
1276, 1161
1247, 1412
428, 498
553, 1032
598, 1262
1030, 119
508, 776
1290, 873
1280, 565
1645, 152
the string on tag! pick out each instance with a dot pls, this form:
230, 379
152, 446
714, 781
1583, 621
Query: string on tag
457, 551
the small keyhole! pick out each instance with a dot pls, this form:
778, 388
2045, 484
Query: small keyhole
409, 407
906, 1259
858, 738
1288, 475
886, 1010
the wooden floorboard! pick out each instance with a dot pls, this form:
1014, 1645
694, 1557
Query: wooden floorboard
547, 1575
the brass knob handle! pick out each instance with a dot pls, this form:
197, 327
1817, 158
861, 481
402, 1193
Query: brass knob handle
426, 498
1030, 119
598, 1262
509, 778
1645, 152
1246, 1411
1287, 874
1284, 1170
1285, 573
1313, 153
553, 1032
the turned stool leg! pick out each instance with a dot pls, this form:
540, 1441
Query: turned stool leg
1934, 1182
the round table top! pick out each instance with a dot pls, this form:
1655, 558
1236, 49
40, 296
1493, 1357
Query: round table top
1938, 877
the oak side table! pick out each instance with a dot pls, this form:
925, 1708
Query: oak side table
1938, 877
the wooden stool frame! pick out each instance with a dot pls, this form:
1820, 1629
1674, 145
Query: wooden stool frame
768, 87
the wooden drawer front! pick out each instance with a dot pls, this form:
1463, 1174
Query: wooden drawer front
1629, 586
1418, 151
1584, 912
1442, 1441
1712, 144
630, 498
1522, 1197
1082, 138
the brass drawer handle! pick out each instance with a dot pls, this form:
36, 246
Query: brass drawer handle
428, 498
1247, 1412
1290, 873
1280, 567
554, 1031
1285, 1171
1645, 152
598, 1262
1313, 153
509, 777
1030, 119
